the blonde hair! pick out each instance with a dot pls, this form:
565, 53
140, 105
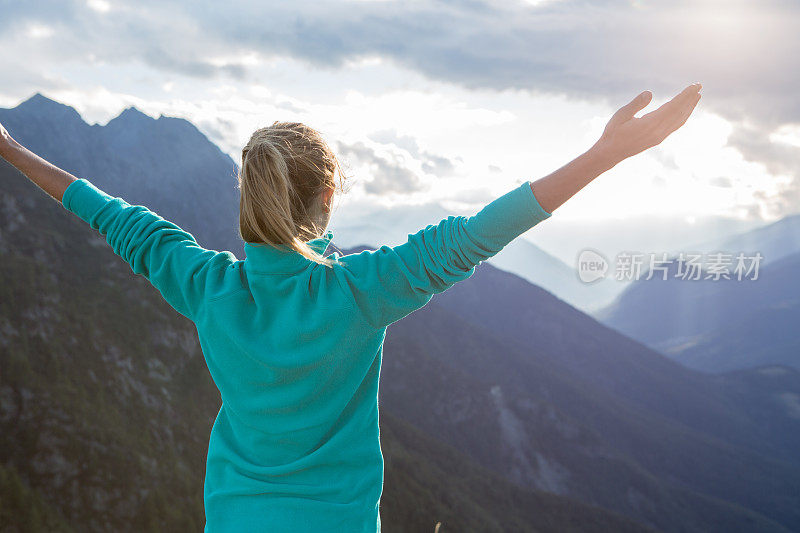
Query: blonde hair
284, 169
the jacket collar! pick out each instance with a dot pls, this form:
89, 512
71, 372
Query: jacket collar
282, 259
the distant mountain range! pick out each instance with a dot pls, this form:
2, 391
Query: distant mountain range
774, 241
722, 325
502, 407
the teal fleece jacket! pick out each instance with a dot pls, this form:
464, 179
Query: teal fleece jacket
295, 349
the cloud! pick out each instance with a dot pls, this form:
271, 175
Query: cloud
431, 163
742, 51
388, 175
613, 49
170, 37
753, 141
218, 130
163, 60
721, 181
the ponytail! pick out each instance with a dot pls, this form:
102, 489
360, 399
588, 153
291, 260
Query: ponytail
284, 169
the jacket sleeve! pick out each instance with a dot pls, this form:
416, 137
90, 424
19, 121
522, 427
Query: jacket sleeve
389, 283
157, 249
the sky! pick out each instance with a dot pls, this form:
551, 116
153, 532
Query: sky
450, 104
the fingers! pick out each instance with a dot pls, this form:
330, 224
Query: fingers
674, 107
683, 116
627, 111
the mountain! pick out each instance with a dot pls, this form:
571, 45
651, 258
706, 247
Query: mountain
428, 482
775, 241
559, 402
758, 326
661, 312
716, 325
164, 163
530, 262
721, 325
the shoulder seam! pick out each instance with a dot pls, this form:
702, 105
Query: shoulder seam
230, 293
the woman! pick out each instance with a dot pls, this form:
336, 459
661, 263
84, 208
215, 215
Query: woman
294, 339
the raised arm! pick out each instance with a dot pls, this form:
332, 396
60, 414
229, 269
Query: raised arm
624, 136
389, 283
166, 255
47, 176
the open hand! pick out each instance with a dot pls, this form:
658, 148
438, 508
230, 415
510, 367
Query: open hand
626, 135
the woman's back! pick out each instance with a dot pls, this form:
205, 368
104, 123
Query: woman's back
295, 445
295, 349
